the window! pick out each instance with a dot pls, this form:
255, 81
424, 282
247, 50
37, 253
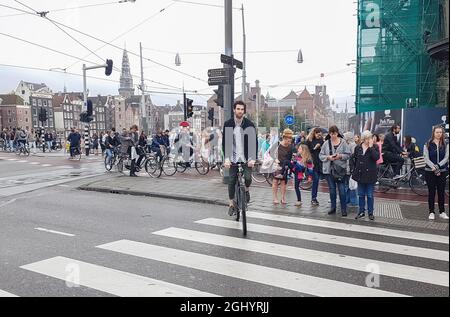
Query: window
9, 112
39, 102
26, 120
45, 103
34, 102
49, 103
9, 120
23, 92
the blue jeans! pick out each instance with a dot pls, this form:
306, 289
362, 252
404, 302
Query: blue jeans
366, 190
109, 154
315, 186
297, 188
352, 196
332, 185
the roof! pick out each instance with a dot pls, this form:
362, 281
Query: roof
305, 94
292, 95
11, 99
36, 86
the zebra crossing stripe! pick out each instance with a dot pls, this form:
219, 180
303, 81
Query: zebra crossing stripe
251, 272
333, 239
108, 280
326, 258
351, 227
6, 294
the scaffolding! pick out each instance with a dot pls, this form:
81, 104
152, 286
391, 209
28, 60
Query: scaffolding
394, 69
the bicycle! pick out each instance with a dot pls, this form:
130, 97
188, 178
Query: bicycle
386, 180
75, 154
241, 197
22, 149
446, 186
202, 167
110, 164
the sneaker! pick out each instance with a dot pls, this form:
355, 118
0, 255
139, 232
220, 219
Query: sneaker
344, 214
332, 212
298, 204
371, 217
232, 211
247, 197
314, 203
360, 215
432, 216
443, 215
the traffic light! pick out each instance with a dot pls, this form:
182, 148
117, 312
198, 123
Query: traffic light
211, 115
109, 67
43, 115
189, 107
85, 117
89, 107
219, 92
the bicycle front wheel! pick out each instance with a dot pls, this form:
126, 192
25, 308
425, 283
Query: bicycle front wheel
306, 184
168, 166
108, 164
257, 176
243, 207
153, 168
202, 168
418, 183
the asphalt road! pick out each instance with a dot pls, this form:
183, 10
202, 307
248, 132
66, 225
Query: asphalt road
59, 241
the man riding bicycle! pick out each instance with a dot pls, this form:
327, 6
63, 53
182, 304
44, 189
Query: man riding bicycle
74, 139
392, 151
239, 145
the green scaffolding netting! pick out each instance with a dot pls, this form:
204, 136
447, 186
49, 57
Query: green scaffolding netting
394, 69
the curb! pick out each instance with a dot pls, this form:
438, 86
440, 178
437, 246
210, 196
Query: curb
154, 194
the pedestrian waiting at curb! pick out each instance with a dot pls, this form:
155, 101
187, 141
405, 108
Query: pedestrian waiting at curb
334, 155
284, 156
364, 162
314, 141
436, 154
302, 166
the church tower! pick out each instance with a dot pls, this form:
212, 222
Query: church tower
126, 89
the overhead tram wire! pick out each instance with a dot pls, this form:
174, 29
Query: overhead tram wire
78, 58
131, 29
119, 48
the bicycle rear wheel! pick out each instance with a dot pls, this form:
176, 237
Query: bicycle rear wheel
418, 183
306, 184
108, 165
384, 176
446, 186
120, 165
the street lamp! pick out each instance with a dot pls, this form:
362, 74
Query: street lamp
177, 60
300, 57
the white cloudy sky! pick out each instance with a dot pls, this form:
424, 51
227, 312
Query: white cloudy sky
325, 30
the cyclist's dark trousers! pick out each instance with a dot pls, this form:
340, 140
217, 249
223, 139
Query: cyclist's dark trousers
141, 157
396, 160
233, 180
72, 149
436, 183
158, 153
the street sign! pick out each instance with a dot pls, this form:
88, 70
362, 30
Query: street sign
289, 120
231, 61
216, 81
219, 72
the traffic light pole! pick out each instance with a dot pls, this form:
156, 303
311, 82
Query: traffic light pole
228, 89
87, 145
185, 106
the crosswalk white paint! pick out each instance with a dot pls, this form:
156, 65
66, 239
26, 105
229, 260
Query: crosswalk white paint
6, 294
348, 262
55, 232
108, 280
332, 239
264, 275
351, 227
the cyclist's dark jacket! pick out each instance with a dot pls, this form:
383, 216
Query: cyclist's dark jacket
391, 144
246, 123
74, 139
365, 165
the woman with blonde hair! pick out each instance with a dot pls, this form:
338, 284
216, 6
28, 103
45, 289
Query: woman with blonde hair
302, 166
365, 173
283, 160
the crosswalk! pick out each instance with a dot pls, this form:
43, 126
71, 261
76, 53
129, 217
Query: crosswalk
304, 256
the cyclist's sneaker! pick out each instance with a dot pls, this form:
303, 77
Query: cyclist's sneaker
314, 202
232, 211
431, 216
443, 215
247, 196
